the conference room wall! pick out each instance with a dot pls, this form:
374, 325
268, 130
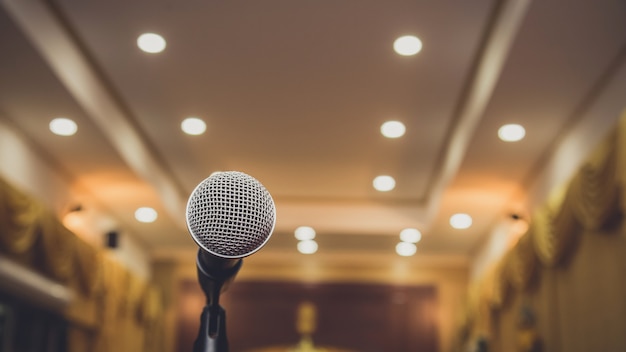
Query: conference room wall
447, 277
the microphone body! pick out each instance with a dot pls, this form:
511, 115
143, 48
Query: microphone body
215, 274
230, 215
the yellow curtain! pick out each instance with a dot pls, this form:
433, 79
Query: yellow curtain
561, 288
113, 310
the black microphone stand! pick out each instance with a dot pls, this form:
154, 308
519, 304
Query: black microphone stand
214, 275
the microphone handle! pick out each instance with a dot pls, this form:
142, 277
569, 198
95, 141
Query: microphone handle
214, 276
207, 341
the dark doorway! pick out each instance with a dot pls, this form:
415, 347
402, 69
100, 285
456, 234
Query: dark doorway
26, 328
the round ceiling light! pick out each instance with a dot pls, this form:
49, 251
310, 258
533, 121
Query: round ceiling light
392, 129
511, 133
193, 126
63, 127
407, 45
307, 247
384, 183
151, 43
304, 233
146, 214
410, 235
406, 249
461, 221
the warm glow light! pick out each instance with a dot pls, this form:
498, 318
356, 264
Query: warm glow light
384, 183
519, 227
304, 233
460, 221
307, 247
193, 126
146, 214
73, 221
406, 249
511, 133
392, 129
63, 127
407, 45
410, 235
151, 43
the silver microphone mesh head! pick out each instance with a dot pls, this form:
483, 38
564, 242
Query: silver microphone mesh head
230, 214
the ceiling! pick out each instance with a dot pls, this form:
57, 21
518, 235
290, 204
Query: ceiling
294, 94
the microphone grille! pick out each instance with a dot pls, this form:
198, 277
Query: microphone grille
230, 214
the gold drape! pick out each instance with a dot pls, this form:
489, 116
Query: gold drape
58, 246
18, 223
594, 191
113, 310
521, 264
496, 290
554, 228
552, 269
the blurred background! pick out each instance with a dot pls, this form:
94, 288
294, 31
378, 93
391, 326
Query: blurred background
448, 176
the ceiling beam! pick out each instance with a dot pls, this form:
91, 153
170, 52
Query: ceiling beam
501, 32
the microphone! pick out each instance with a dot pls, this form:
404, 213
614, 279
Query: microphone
230, 215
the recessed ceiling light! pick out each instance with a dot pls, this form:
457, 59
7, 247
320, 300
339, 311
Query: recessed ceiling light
304, 233
511, 133
392, 129
410, 235
460, 221
307, 247
407, 45
151, 43
63, 127
384, 183
193, 126
406, 249
146, 214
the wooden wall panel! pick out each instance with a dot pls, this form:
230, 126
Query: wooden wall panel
350, 316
